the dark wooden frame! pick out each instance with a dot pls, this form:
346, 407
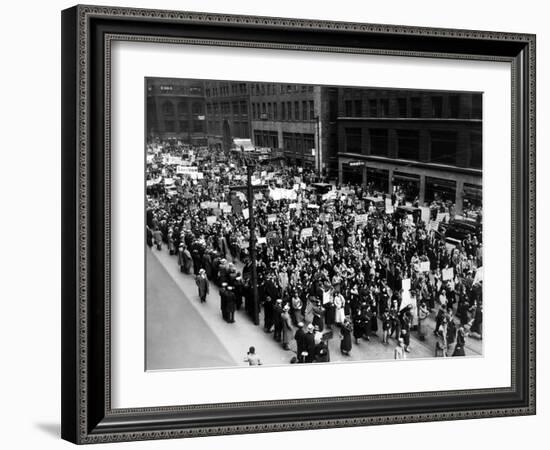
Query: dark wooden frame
87, 31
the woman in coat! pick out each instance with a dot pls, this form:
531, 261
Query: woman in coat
460, 342
339, 304
345, 333
287, 327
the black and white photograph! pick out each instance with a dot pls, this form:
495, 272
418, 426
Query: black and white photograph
298, 224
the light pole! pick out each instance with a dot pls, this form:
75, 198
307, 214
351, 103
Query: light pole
318, 149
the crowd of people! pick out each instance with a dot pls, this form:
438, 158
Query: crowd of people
330, 263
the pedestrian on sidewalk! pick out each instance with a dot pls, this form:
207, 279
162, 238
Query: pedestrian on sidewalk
230, 302
299, 336
399, 351
203, 285
287, 327
251, 358
423, 313
345, 333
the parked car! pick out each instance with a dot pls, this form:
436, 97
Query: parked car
458, 229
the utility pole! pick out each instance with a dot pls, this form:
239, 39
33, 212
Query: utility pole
250, 189
318, 150
252, 246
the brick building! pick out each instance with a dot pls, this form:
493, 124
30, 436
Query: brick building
427, 143
295, 119
227, 112
176, 109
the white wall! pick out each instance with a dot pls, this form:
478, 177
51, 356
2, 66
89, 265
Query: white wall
30, 225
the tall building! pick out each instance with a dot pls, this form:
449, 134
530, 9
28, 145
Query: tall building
293, 118
176, 109
428, 143
227, 112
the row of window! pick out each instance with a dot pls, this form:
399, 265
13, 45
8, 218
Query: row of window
224, 90
297, 111
443, 146
273, 89
184, 126
183, 108
235, 108
435, 106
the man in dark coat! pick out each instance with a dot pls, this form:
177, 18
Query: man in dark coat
223, 293
268, 314
299, 336
309, 344
278, 320
202, 284
230, 305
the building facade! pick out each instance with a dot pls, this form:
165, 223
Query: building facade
227, 112
176, 109
427, 144
293, 118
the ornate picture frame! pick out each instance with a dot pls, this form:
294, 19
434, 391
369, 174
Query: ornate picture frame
87, 35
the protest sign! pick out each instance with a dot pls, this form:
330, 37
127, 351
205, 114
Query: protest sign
272, 218
425, 266
227, 209
245, 213
447, 274
261, 240
211, 220
336, 224
361, 219
306, 232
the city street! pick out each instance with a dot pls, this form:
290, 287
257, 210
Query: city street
182, 333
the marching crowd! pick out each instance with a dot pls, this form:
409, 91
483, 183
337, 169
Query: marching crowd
328, 262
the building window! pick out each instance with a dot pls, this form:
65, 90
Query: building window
269, 111
169, 126
437, 106
182, 109
348, 108
416, 110
353, 140
289, 110
184, 126
168, 109
408, 143
311, 110
304, 108
358, 108
296, 110
243, 107
373, 108
402, 107
476, 152
379, 142
275, 112
283, 111
443, 147
454, 103
384, 107
476, 106
198, 126
254, 110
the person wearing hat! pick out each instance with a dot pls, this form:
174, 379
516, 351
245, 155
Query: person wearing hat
287, 327
309, 344
230, 304
299, 337
203, 285
399, 351
223, 294
345, 334
278, 320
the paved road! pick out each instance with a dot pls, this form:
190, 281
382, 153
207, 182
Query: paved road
183, 333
